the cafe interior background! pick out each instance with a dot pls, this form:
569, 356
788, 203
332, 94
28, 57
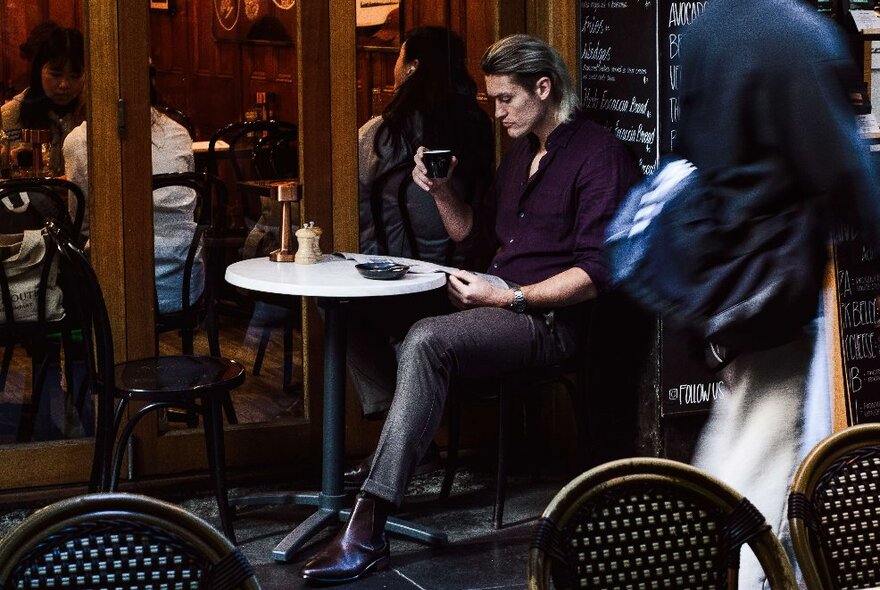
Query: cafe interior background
323, 65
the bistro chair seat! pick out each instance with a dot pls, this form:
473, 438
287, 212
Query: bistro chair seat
192, 383
834, 511
650, 523
123, 541
196, 384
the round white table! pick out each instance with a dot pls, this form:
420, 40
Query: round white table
333, 281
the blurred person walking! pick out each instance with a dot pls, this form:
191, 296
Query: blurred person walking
767, 121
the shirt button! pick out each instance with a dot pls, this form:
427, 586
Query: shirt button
522, 214
495, 266
511, 240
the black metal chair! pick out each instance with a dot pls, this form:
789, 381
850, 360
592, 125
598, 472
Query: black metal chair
29, 289
124, 541
834, 511
198, 384
276, 155
262, 150
44, 199
526, 385
242, 137
190, 315
650, 523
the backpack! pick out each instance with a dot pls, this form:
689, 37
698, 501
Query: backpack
740, 265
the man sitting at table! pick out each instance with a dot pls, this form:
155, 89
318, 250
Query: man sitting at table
555, 191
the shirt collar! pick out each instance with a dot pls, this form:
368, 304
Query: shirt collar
561, 136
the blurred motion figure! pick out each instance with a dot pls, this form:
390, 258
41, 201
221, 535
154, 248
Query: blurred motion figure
767, 121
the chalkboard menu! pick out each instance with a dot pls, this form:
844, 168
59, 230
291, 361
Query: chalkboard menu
858, 285
675, 17
618, 59
686, 383
630, 74
687, 386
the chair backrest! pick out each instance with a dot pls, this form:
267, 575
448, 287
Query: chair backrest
834, 511
85, 306
241, 138
200, 184
650, 523
120, 541
178, 117
45, 202
276, 155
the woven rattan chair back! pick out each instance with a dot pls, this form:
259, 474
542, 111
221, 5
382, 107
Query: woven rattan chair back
834, 511
650, 524
123, 541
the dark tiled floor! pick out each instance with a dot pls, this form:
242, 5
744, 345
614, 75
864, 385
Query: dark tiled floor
477, 556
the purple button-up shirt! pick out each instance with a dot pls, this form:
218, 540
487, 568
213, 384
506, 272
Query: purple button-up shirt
556, 219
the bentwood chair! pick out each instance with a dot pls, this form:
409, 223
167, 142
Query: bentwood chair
190, 315
25, 205
43, 196
834, 511
650, 523
197, 384
524, 385
261, 150
123, 541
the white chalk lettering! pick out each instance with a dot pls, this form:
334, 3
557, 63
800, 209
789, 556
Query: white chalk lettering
859, 313
685, 13
857, 347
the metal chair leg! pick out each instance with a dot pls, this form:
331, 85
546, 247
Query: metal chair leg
217, 460
501, 477
454, 427
261, 350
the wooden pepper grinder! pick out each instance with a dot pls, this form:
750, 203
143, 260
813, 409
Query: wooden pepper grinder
305, 254
286, 194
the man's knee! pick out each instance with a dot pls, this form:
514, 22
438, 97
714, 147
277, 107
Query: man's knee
427, 334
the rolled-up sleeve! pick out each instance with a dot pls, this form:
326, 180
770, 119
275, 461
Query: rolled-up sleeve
602, 182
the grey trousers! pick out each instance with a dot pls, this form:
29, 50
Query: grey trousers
754, 440
376, 328
474, 343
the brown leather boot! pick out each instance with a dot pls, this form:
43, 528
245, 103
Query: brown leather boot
361, 545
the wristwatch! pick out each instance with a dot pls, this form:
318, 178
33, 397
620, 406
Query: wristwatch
519, 301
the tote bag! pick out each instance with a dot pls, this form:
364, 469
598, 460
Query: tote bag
25, 265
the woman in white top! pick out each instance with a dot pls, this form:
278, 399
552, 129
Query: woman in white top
173, 207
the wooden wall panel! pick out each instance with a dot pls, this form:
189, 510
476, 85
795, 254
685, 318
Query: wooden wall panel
473, 20
215, 80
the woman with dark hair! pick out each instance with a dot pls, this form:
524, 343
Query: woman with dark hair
434, 105
52, 100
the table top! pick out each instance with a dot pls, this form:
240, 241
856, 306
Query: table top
331, 277
201, 147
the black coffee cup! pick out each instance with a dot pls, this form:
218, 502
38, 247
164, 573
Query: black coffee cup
437, 162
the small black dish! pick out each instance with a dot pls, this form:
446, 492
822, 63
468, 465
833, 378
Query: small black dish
382, 270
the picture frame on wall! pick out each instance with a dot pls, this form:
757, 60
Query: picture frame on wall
379, 23
162, 6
